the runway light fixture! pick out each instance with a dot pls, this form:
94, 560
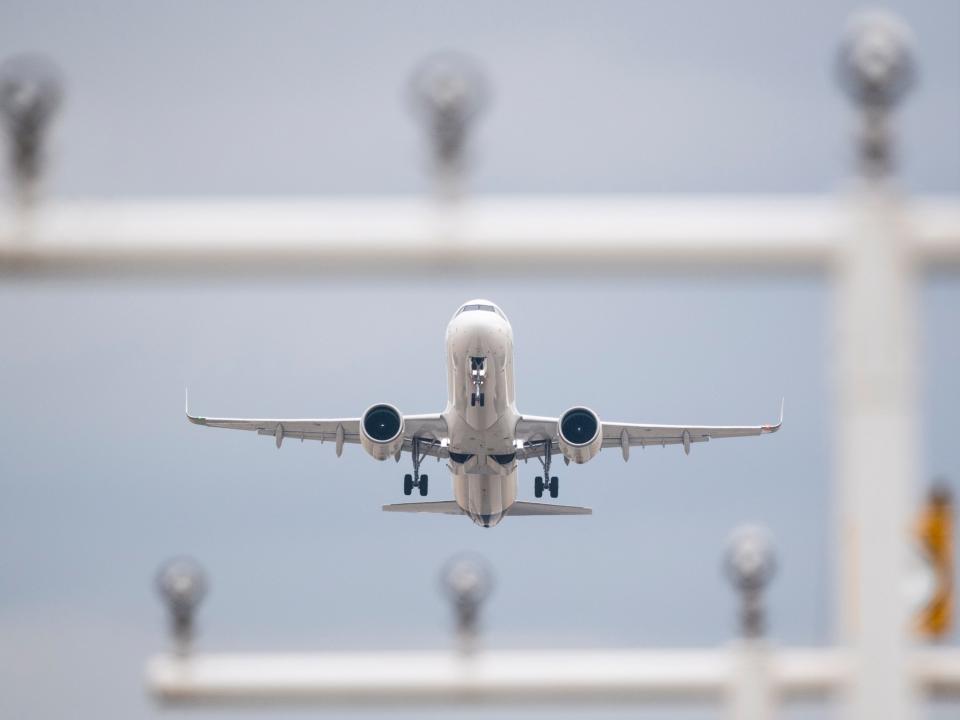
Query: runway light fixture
750, 564
31, 92
182, 584
467, 581
876, 68
448, 92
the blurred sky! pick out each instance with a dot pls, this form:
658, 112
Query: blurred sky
244, 97
101, 477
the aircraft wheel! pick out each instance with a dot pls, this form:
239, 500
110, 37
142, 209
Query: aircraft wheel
481, 399
423, 486
407, 484
538, 486
554, 487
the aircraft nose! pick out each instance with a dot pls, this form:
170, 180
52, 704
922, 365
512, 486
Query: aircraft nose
472, 321
472, 324
469, 330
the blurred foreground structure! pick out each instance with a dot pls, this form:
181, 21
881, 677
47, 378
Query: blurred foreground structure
871, 242
750, 677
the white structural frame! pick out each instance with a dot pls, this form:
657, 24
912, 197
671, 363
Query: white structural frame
510, 234
559, 677
872, 243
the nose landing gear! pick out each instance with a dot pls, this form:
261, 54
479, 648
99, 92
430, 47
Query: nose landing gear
478, 373
551, 484
416, 480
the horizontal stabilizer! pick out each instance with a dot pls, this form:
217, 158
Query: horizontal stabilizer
529, 508
445, 507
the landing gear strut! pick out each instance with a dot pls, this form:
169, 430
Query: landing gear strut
552, 484
416, 480
478, 372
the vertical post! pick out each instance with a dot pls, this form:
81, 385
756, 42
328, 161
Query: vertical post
876, 387
750, 565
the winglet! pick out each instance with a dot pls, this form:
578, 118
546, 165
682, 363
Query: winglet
774, 428
186, 409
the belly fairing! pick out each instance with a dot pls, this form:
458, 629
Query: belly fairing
484, 496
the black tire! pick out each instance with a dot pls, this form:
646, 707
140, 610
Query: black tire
423, 486
481, 399
554, 487
407, 484
473, 399
538, 486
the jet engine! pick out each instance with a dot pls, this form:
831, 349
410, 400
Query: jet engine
381, 431
581, 434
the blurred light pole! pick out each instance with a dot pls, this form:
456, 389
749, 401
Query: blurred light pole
448, 92
876, 69
182, 584
467, 581
750, 565
31, 92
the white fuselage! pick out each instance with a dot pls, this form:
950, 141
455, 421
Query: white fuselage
482, 441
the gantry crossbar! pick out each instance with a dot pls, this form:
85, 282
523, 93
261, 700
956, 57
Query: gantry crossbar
506, 234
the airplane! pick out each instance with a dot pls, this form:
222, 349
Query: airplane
481, 433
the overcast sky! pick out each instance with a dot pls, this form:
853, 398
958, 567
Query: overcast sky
181, 98
101, 478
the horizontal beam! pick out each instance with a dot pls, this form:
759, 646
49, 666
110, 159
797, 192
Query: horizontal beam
497, 677
503, 233
517, 676
938, 670
426, 678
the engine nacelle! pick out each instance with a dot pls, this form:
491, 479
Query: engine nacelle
581, 434
381, 431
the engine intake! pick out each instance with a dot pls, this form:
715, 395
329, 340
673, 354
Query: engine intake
581, 434
381, 431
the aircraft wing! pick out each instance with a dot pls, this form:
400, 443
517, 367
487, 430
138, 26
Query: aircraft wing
428, 428
536, 432
627, 435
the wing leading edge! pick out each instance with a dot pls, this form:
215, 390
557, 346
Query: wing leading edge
536, 431
430, 428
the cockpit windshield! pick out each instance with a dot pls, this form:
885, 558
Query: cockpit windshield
478, 306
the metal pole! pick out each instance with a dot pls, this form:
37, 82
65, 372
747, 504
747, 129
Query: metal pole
876, 389
750, 566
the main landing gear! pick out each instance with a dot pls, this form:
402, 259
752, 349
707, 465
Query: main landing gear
478, 372
416, 480
552, 484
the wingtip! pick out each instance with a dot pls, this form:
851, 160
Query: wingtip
186, 409
774, 428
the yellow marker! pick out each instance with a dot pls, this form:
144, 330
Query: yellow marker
935, 532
